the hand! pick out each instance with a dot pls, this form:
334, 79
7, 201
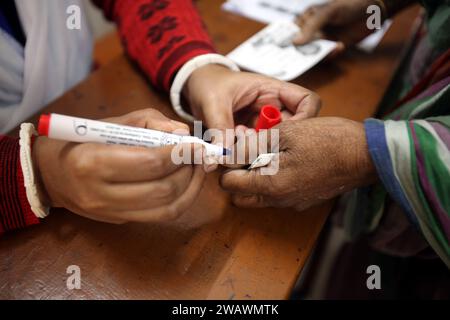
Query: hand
319, 159
113, 183
339, 20
220, 97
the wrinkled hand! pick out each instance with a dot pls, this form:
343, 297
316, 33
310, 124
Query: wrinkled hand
114, 183
223, 98
339, 20
319, 159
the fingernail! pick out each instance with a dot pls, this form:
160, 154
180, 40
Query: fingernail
209, 164
209, 159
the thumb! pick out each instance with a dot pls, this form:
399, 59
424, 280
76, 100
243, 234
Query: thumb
311, 23
220, 123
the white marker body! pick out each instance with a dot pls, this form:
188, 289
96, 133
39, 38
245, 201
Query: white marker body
85, 130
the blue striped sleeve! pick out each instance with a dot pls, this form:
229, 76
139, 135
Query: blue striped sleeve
379, 152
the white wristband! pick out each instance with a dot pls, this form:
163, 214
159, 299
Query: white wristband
26, 131
184, 74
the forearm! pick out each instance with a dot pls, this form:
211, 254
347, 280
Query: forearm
159, 35
15, 211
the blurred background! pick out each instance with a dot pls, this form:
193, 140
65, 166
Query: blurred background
99, 24
107, 41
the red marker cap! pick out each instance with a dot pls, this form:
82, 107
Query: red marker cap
268, 117
44, 124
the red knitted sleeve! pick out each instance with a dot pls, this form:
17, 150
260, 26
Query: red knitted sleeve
160, 35
15, 211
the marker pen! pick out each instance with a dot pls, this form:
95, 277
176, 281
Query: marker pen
269, 117
56, 126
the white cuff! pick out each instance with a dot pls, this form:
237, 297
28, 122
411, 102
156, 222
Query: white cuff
26, 131
184, 74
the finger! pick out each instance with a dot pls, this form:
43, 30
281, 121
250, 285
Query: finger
249, 201
301, 102
128, 164
230, 161
175, 209
241, 128
137, 164
340, 47
106, 217
244, 151
250, 145
311, 22
150, 119
148, 195
218, 117
239, 156
247, 182
286, 114
196, 153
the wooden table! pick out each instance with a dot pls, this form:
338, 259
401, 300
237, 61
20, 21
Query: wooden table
243, 254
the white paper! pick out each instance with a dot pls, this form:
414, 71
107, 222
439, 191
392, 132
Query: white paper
270, 52
263, 160
268, 11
